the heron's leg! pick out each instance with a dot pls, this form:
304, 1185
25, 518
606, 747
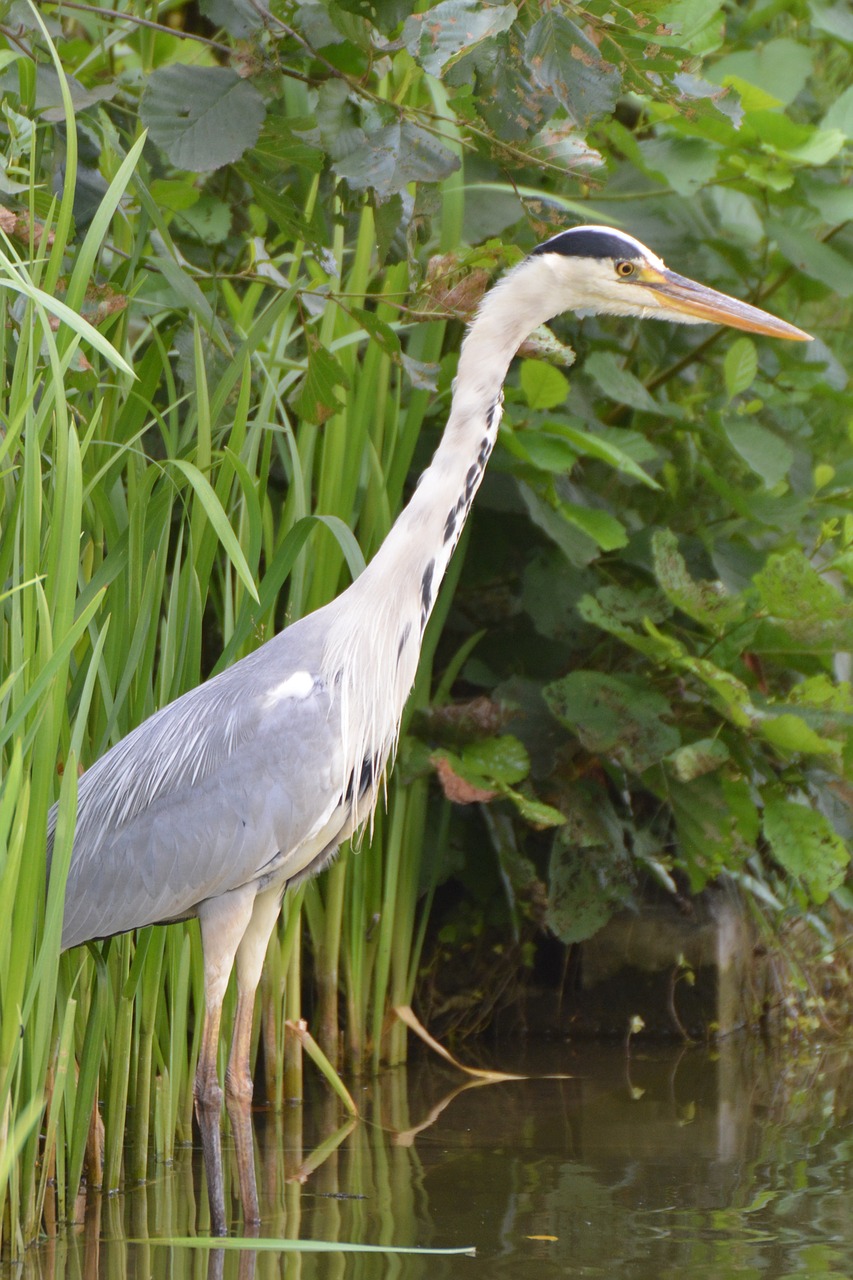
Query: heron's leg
250, 962
238, 1077
223, 923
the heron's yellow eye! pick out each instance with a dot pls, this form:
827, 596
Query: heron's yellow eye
624, 269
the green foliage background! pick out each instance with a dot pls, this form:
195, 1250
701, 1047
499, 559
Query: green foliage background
645, 665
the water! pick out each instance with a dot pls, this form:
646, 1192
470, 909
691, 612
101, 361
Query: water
665, 1164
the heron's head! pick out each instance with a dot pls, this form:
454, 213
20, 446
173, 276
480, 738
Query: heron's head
605, 270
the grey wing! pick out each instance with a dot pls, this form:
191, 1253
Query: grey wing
238, 780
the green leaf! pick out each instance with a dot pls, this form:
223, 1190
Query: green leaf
280, 1244
820, 261
698, 758
790, 587
502, 759
835, 19
316, 399
280, 146
604, 528
716, 822
544, 386
791, 735
763, 451
594, 445
208, 220
390, 158
566, 63
66, 315
685, 164
706, 602
49, 93
447, 29
801, 143
805, 846
840, 114
174, 194
620, 384
589, 872
733, 693
619, 716
188, 294
547, 452
740, 366
685, 23
578, 548
240, 18
534, 811
779, 67
202, 117
378, 330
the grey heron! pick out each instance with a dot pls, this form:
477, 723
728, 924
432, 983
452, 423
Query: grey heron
249, 783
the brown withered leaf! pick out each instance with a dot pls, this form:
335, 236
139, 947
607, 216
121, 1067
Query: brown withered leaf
17, 225
451, 289
458, 790
461, 722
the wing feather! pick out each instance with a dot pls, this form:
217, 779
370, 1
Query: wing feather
238, 776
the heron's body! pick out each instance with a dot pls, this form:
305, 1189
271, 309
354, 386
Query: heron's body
203, 799
250, 782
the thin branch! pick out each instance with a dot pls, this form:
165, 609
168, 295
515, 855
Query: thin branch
132, 18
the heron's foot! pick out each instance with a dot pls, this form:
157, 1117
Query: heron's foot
240, 1115
208, 1114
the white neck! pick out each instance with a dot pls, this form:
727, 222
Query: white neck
427, 530
377, 624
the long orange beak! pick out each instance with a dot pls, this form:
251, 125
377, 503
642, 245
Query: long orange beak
700, 302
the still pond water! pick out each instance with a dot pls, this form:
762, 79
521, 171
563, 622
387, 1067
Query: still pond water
668, 1163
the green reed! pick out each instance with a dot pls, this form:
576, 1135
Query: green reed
141, 512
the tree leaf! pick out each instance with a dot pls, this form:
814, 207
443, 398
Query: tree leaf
447, 29
763, 451
533, 811
564, 61
805, 846
390, 158
240, 18
835, 19
619, 716
704, 601
460, 785
620, 384
791, 734
600, 525
685, 164
840, 114
502, 759
593, 445
740, 366
202, 117
716, 822
790, 587
316, 399
544, 386
697, 758
589, 872
820, 261
547, 452
779, 67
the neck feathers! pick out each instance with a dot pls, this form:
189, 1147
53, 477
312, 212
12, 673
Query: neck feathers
377, 624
